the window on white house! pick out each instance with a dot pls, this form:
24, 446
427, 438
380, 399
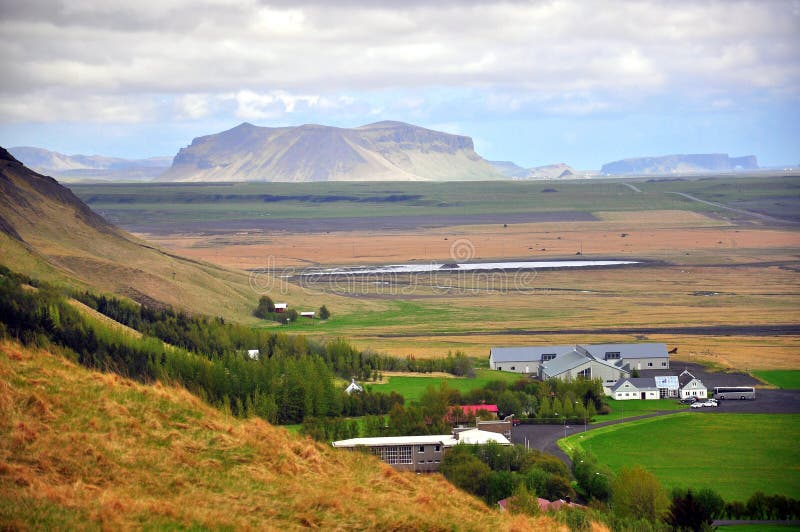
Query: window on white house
663, 363
421, 449
437, 448
612, 355
650, 364
548, 356
512, 368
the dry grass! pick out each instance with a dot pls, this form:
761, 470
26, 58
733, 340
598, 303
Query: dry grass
648, 235
80, 449
702, 255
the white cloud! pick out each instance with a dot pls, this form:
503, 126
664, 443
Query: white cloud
277, 58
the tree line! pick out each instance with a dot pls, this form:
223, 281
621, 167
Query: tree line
290, 382
215, 337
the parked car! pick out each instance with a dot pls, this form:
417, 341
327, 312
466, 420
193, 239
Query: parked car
710, 402
689, 400
697, 405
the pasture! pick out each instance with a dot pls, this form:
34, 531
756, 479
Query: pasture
412, 387
786, 379
734, 454
703, 266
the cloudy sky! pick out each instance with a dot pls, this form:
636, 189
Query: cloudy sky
535, 82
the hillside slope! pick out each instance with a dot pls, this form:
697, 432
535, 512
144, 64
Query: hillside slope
84, 449
384, 151
48, 233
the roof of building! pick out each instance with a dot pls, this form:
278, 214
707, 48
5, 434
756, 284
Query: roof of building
649, 350
473, 409
481, 437
670, 382
281, 305
642, 384
685, 378
564, 362
522, 354
534, 353
470, 437
353, 387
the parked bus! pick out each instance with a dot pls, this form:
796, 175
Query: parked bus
734, 392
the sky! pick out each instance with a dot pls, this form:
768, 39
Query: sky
534, 82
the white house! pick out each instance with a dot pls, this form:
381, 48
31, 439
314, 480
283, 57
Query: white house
692, 386
353, 387
635, 388
281, 307
253, 354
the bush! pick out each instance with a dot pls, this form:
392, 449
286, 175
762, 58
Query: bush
324, 313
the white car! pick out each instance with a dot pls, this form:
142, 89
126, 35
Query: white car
698, 404
709, 403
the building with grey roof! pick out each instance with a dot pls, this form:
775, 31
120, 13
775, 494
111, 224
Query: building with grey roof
635, 388
609, 362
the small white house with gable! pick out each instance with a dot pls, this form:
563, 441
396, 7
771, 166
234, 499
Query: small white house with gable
692, 386
635, 388
353, 387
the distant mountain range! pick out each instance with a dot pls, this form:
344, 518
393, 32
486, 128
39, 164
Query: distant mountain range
550, 171
671, 164
384, 151
90, 167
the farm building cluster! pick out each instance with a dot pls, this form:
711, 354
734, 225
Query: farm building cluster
614, 364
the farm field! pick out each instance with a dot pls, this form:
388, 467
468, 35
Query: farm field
786, 379
731, 274
412, 387
625, 409
734, 454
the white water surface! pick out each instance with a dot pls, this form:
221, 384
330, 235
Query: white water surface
466, 267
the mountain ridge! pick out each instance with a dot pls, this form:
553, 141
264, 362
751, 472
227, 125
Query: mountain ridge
677, 163
89, 167
381, 151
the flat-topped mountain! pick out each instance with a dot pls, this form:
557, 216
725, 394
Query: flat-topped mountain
89, 167
384, 151
670, 164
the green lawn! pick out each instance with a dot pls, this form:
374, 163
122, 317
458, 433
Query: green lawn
735, 454
412, 387
788, 379
755, 528
638, 407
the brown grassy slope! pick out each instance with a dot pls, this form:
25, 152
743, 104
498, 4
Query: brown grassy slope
47, 232
82, 449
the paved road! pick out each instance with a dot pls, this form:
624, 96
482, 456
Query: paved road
632, 187
544, 437
733, 209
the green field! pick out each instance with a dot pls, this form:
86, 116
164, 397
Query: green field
735, 454
786, 379
188, 202
625, 409
761, 527
412, 387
